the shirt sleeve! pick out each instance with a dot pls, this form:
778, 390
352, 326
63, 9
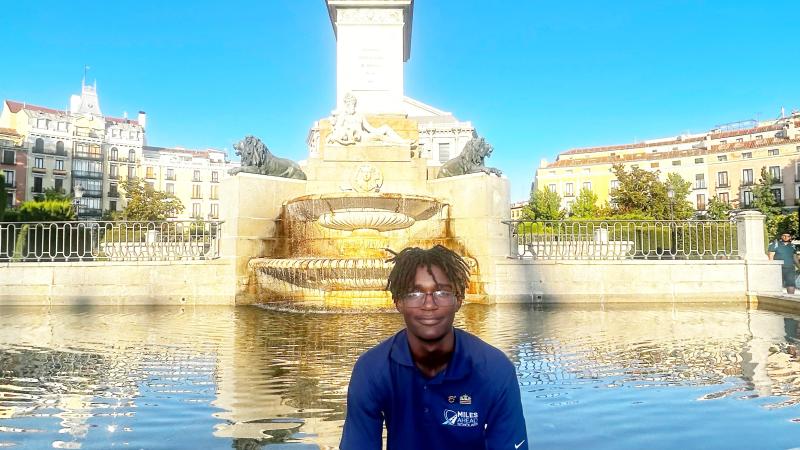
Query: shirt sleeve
363, 424
505, 423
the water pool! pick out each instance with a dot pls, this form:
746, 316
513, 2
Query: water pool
621, 377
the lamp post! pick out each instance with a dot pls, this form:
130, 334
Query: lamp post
671, 196
76, 200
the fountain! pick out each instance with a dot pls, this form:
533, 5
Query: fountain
317, 233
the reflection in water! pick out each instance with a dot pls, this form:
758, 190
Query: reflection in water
246, 378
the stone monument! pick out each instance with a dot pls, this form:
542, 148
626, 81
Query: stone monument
322, 240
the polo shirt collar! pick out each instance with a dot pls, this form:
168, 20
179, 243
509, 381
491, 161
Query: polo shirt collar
460, 364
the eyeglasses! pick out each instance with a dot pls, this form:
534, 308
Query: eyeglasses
440, 298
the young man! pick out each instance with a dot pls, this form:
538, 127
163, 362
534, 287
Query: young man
784, 250
436, 387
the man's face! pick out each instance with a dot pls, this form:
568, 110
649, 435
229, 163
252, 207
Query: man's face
429, 322
786, 237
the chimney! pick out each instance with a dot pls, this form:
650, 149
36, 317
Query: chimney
142, 119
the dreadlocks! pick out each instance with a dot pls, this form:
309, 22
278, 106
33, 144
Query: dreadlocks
401, 278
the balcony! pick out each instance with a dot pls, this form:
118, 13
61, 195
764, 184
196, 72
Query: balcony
38, 170
87, 155
59, 172
150, 176
10, 184
87, 174
89, 212
83, 133
41, 151
36, 190
196, 179
92, 193
724, 185
170, 177
747, 182
113, 194
128, 160
113, 176
777, 180
701, 185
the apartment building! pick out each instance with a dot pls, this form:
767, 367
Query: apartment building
79, 147
724, 162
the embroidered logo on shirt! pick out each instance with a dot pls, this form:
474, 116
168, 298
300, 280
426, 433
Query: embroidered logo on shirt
465, 399
460, 418
451, 399
516, 446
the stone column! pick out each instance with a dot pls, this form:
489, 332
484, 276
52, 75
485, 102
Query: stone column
763, 275
750, 232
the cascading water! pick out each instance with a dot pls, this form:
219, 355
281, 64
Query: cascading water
336, 246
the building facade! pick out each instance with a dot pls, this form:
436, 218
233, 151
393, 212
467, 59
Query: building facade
80, 148
724, 162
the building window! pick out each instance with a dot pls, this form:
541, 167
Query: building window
654, 165
113, 190
215, 177
151, 185
196, 211
739, 139
60, 148
131, 171
38, 163
722, 179
59, 164
214, 192
149, 172
747, 177
41, 123
700, 181
114, 154
747, 155
775, 174
9, 177
10, 199
37, 185
552, 187
723, 142
171, 174
9, 157
759, 136
170, 188
196, 192
196, 175
115, 132
214, 211
778, 194
113, 171
722, 158
444, 151
773, 152
701, 202
677, 162
38, 147
112, 205
723, 197
614, 184
747, 198
131, 155
698, 160
587, 185
569, 191
58, 185
62, 126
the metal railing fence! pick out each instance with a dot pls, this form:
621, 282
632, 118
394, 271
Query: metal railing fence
109, 241
622, 239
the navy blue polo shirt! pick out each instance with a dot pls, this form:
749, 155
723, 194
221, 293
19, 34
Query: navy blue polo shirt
473, 404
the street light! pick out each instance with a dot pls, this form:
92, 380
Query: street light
78, 194
672, 228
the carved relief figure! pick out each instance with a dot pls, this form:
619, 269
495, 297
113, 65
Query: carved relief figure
256, 158
471, 160
351, 127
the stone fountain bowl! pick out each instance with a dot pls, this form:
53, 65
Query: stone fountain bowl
363, 211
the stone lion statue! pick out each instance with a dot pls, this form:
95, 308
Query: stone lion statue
256, 158
471, 160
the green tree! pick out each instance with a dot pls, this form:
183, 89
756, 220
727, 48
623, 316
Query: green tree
585, 206
641, 194
146, 203
53, 194
544, 205
763, 198
717, 209
46, 210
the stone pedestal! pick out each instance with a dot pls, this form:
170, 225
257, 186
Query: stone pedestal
763, 275
478, 204
251, 212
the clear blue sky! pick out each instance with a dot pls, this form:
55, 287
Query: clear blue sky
534, 77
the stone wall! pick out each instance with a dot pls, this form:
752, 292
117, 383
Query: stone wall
117, 283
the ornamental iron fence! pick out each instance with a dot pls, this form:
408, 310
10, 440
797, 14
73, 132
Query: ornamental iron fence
623, 239
90, 240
